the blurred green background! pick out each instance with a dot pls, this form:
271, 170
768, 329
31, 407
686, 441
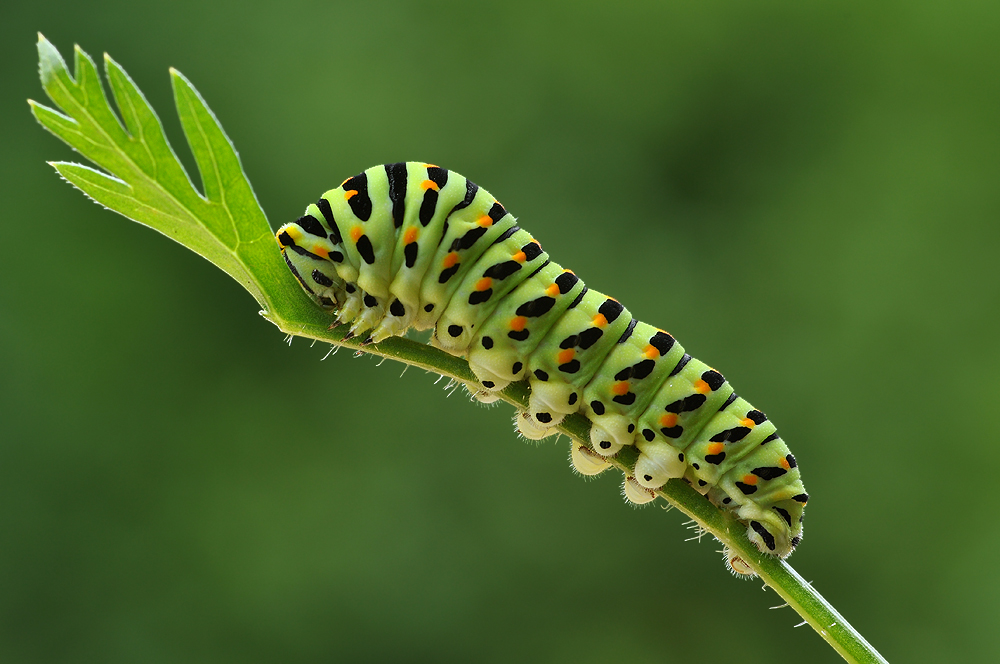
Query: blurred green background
805, 195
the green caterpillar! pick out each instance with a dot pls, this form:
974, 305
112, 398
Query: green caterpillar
414, 245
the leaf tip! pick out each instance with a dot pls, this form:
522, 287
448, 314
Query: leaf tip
112, 67
49, 61
176, 75
178, 80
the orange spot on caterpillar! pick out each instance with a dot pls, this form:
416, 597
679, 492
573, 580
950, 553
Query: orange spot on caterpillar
701, 387
517, 323
748, 423
668, 420
410, 235
784, 463
356, 233
715, 448
432, 166
552, 290
484, 283
350, 193
750, 479
321, 251
485, 221
565, 356
651, 352
450, 259
599, 320
519, 257
429, 184
620, 387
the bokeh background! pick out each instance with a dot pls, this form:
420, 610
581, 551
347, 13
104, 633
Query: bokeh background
806, 195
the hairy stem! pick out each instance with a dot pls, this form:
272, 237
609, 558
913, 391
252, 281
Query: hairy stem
776, 573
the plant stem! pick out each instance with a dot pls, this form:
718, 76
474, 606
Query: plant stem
776, 573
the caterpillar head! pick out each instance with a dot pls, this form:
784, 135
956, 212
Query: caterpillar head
307, 258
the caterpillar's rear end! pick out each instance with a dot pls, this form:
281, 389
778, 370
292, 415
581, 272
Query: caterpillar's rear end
414, 245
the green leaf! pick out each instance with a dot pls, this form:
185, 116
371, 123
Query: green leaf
142, 179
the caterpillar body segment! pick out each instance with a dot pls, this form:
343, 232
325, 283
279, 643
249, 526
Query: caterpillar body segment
414, 245
520, 322
621, 390
571, 354
496, 272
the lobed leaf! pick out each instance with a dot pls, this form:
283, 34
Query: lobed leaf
142, 178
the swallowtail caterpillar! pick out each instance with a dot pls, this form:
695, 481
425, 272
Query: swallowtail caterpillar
412, 245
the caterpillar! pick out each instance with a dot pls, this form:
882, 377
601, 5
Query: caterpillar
412, 245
